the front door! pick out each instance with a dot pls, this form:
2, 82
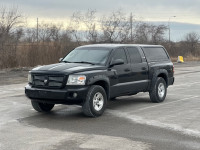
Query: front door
121, 78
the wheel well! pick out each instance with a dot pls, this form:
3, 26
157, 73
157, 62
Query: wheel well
105, 85
164, 76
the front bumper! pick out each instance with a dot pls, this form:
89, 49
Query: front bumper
58, 96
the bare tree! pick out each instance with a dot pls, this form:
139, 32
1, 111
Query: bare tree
83, 26
10, 21
115, 28
89, 20
56, 32
44, 32
191, 42
49, 32
30, 35
142, 33
157, 33
150, 34
74, 28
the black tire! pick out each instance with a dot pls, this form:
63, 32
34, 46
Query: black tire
88, 107
155, 94
42, 107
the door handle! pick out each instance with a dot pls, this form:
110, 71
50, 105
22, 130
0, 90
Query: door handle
127, 70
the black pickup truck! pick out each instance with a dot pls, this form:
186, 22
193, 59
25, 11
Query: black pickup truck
91, 75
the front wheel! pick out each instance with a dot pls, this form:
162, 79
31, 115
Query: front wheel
158, 91
95, 102
42, 107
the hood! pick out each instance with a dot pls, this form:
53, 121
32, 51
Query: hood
68, 68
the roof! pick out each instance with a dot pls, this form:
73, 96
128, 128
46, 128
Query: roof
118, 45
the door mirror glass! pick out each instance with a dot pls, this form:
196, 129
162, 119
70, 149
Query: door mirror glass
117, 62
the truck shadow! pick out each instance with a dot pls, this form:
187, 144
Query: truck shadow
130, 101
71, 118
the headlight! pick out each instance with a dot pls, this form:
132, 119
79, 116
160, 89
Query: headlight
76, 80
30, 78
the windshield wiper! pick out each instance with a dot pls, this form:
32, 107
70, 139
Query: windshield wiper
84, 62
66, 61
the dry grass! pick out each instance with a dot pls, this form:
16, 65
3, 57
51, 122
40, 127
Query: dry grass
174, 59
30, 55
191, 58
187, 58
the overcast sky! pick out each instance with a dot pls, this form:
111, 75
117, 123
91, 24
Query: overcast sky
187, 12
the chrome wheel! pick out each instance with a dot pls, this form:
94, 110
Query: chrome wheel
98, 101
161, 90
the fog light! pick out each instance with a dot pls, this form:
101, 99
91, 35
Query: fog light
75, 95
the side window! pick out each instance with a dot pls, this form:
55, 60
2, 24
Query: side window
155, 53
120, 54
134, 55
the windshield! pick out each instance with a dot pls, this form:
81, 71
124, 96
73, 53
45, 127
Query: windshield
92, 56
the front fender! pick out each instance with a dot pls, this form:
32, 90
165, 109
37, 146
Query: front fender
100, 80
97, 78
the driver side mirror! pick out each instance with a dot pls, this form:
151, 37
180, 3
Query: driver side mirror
117, 62
60, 59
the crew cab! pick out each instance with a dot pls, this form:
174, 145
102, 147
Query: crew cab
91, 75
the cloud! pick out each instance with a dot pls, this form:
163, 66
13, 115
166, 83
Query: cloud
145, 7
187, 11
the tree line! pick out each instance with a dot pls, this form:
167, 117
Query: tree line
22, 46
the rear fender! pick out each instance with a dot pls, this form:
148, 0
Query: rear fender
155, 76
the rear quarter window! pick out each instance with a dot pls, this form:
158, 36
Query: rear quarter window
155, 53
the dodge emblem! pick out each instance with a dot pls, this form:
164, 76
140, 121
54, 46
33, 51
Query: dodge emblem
45, 81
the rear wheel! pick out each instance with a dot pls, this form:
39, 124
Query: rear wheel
158, 91
95, 102
42, 107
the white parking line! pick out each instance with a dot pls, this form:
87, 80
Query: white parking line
168, 94
12, 89
11, 95
155, 123
186, 84
162, 104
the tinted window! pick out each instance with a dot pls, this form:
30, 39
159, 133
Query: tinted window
155, 53
134, 55
120, 54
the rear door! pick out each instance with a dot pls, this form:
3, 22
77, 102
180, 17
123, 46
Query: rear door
139, 69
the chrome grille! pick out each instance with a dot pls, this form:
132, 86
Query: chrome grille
48, 81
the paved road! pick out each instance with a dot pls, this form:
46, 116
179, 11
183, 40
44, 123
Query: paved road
129, 123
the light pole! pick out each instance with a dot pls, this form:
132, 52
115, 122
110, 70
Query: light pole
169, 27
37, 31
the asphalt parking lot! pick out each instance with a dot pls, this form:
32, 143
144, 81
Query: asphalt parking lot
129, 123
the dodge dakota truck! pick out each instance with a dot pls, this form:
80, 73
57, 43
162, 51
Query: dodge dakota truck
91, 75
